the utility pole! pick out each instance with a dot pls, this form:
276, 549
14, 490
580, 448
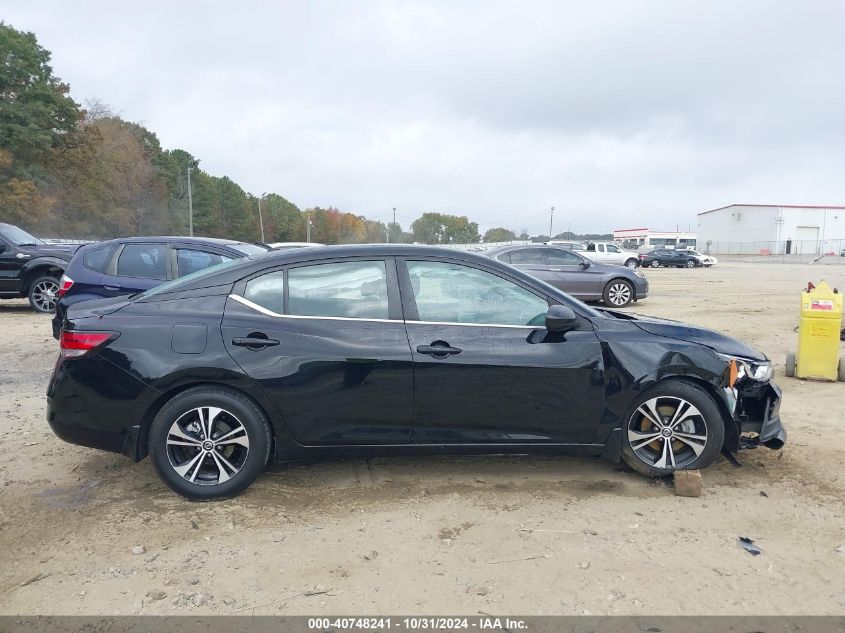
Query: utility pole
190, 206
260, 219
551, 220
394, 224
308, 227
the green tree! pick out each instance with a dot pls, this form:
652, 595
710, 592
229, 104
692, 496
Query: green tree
36, 116
499, 235
442, 228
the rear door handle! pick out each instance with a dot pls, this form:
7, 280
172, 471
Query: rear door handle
110, 287
438, 349
254, 342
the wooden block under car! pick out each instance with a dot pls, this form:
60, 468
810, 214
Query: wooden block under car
687, 483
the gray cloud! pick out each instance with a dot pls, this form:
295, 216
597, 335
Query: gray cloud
621, 113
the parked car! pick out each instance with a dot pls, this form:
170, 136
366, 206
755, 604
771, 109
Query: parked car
280, 246
374, 349
128, 265
669, 257
608, 253
570, 246
576, 275
31, 268
706, 260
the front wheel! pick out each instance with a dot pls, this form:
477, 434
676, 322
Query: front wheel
655, 264
209, 442
618, 293
44, 294
674, 426
690, 264
631, 263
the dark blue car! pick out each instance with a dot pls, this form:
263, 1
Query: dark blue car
128, 265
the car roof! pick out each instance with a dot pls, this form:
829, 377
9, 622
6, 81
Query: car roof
216, 241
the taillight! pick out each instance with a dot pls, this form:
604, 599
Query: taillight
76, 344
64, 285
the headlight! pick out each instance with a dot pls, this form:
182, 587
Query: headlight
756, 370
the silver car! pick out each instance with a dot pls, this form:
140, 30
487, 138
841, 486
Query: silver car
616, 286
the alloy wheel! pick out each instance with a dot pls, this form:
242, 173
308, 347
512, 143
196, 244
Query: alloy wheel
45, 295
619, 294
667, 432
207, 446
655, 264
690, 264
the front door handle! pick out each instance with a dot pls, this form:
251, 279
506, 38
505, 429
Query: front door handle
438, 348
254, 342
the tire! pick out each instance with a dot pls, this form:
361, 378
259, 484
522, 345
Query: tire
43, 294
655, 264
840, 372
789, 370
618, 293
632, 263
703, 430
690, 264
207, 470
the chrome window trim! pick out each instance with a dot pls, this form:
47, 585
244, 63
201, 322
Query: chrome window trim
265, 311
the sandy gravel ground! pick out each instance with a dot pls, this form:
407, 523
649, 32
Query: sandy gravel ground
527, 535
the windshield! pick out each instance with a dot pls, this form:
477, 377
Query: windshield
249, 249
174, 284
19, 237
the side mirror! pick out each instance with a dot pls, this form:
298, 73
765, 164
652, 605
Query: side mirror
560, 319
586, 264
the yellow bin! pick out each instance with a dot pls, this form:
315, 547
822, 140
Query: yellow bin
818, 335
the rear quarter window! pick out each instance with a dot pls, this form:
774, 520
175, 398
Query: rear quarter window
98, 259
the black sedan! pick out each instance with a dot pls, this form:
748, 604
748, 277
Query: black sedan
359, 350
669, 257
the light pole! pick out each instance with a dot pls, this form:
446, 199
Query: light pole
551, 220
190, 206
308, 226
260, 219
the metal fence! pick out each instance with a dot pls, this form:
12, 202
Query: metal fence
784, 251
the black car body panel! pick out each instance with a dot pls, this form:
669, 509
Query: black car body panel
370, 385
669, 257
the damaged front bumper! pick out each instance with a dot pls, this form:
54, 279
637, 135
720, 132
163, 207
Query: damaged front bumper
755, 409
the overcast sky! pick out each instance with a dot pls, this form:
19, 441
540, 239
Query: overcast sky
620, 114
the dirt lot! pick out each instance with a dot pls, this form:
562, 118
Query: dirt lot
521, 535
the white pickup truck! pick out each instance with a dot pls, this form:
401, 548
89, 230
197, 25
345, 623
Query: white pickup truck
609, 253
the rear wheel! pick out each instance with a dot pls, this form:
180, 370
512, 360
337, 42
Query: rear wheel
674, 426
618, 293
44, 294
209, 442
655, 264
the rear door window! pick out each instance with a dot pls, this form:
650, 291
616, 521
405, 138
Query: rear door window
147, 261
190, 260
98, 259
527, 257
356, 290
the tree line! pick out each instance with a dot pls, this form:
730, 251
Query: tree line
84, 172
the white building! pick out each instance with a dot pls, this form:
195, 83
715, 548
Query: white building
645, 238
771, 228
